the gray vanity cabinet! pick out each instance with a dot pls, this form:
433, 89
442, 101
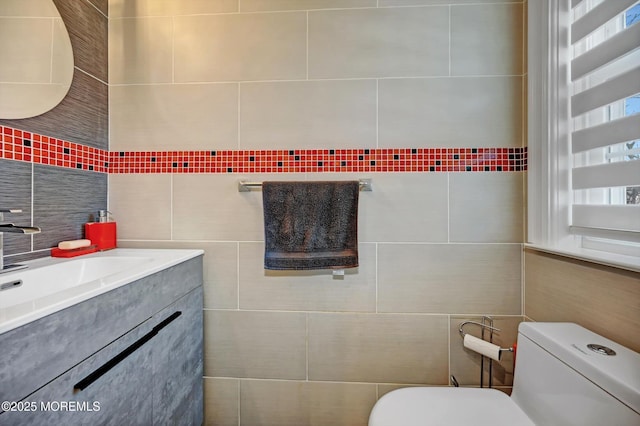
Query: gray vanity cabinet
177, 365
149, 373
150, 376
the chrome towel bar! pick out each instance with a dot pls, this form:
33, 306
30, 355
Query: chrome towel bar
246, 186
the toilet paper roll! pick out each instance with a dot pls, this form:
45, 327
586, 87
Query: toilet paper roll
482, 347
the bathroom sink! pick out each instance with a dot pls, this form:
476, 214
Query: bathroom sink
52, 284
37, 283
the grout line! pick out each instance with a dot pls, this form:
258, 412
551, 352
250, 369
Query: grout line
238, 275
306, 342
361, 313
398, 77
448, 208
522, 281
33, 193
171, 207
239, 111
377, 113
259, 379
173, 50
239, 400
266, 12
377, 270
96, 8
92, 76
307, 46
449, 34
422, 243
449, 350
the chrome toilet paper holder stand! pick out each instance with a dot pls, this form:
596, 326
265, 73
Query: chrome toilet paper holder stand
485, 325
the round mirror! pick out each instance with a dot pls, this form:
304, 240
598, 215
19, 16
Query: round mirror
36, 65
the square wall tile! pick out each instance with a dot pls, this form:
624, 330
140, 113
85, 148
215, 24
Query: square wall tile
221, 401
63, 201
132, 9
465, 363
233, 47
282, 403
140, 50
308, 114
450, 278
171, 117
266, 345
487, 39
306, 290
141, 205
470, 112
388, 42
178, 116
603, 299
220, 266
209, 207
405, 207
378, 348
487, 207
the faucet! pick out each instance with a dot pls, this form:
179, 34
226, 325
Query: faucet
10, 227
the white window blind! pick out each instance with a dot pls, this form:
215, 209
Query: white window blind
605, 121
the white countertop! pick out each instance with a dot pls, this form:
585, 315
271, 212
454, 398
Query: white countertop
52, 284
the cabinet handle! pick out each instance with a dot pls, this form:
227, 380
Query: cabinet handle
101, 371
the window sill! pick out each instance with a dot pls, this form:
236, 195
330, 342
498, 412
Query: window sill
629, 263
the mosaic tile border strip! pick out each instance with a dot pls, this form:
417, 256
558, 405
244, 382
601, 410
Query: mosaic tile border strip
25, 146
318, 161
20, 145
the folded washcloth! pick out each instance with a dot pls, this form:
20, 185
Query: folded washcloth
310, 225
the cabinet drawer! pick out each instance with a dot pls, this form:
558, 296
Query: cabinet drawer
120, 396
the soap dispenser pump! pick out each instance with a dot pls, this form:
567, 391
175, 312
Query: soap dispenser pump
103, 232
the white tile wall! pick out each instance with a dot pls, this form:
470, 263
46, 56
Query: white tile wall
308, 114
209, 123
483, 111
391, 42
308, 349
140, 50
231, 47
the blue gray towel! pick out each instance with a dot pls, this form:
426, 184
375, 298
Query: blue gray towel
310, 225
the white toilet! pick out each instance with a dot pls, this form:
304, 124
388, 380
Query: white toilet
563, 376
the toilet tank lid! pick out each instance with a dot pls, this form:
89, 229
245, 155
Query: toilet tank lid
619, 375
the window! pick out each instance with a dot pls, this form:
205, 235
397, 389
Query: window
584, 119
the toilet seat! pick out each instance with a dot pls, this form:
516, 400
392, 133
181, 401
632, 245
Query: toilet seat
421, 406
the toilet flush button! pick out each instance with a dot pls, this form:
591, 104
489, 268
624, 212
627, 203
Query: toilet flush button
603, 350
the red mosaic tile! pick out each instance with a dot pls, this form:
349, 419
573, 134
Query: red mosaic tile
40, 149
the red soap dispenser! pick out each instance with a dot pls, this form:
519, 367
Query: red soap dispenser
103, 232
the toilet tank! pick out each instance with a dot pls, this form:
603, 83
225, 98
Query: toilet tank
560, 381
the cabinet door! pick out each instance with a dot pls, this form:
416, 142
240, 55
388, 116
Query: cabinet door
118, 393
150, 376
177, 364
